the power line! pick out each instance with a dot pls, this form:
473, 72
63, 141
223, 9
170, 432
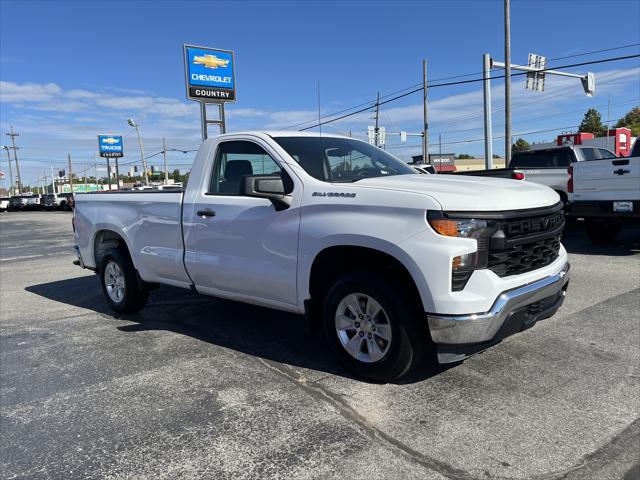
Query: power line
593, 62
499, 137
454, 77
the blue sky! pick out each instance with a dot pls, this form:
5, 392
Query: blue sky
71, 70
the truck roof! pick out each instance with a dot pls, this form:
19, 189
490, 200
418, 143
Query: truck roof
282, 133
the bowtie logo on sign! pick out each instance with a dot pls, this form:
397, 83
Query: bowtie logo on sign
210, 75
110, 146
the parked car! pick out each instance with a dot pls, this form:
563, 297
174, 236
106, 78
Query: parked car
52, 201
34, 202
546, 166
4, 204
64, 201
392, 264
18, 202
606, 193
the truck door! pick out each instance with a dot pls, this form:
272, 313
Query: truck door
236, 246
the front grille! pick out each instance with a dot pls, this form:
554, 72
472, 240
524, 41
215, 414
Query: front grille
525, 244
524, 258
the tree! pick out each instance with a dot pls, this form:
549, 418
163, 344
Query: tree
176, 175
521, 145
463, 156
592, 123
632, 121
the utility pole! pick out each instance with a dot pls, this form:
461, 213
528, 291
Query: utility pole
425, 128
440, 149
70, 174
53, 181
488, 129
164, 154
377, 129
10, 169
608, 120
13, 136
507, 84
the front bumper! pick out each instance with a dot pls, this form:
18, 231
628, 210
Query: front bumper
458, 336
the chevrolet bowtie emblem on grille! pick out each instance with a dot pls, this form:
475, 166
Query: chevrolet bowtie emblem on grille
109, 140
210, 61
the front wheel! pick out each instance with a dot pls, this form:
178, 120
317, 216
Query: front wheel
122, 289
373, 327
602, 232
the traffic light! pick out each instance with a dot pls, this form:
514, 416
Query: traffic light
61, 173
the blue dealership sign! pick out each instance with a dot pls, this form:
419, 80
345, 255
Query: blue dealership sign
110, 146
210, 74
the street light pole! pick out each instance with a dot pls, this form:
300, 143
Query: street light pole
144, 162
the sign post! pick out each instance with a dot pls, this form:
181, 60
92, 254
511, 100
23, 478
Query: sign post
210, 78
111, 146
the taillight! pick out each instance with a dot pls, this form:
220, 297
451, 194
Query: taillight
570, 181
517, 176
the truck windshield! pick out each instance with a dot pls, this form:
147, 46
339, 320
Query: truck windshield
335, 160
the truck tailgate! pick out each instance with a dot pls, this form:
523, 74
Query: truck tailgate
607, 179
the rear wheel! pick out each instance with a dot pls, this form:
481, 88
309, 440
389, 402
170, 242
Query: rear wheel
372, 327
122, 289
601, 231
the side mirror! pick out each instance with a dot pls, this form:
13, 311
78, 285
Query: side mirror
271, 187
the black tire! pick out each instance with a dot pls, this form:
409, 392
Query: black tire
601, 232
64, 207
409, 337
135, 293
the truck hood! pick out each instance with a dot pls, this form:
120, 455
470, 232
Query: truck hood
465, 193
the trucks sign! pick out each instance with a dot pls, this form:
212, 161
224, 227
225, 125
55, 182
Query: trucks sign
110, 146
210, 74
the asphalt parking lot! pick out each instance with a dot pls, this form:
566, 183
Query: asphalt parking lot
196, 387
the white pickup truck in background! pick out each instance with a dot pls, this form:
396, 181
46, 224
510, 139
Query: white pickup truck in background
606, 193
392, 264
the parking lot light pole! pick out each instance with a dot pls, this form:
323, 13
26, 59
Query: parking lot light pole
132, 123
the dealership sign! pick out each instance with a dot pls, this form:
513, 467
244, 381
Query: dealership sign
110, 146
210, 74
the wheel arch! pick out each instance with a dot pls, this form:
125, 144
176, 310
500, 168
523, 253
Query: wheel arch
106, 239
335, 260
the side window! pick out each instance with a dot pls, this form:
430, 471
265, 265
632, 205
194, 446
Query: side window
603, 153
236, 159
589, 153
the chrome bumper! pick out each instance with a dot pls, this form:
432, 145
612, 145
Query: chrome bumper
482, 327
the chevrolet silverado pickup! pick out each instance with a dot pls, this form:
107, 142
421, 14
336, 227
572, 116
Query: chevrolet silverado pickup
391, 264
606, 194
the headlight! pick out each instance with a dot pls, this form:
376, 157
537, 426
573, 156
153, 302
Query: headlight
479, 230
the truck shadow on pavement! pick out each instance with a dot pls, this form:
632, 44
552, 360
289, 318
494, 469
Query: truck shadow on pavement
270, 335
575, 240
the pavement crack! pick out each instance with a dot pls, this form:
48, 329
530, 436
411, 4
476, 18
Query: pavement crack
323, 394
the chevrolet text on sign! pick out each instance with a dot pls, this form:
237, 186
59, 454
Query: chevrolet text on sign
209, 74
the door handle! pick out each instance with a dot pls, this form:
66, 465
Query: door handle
207, 212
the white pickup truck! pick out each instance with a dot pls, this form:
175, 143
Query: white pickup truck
606, 193
392, 264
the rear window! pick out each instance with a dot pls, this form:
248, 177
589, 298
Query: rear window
542, 159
